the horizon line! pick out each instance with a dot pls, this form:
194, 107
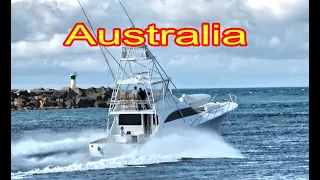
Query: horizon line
187, 88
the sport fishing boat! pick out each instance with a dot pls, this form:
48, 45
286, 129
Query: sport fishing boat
143, 105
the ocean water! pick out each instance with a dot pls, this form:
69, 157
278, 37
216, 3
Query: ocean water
266, 137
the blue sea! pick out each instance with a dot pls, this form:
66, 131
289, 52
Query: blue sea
266, 137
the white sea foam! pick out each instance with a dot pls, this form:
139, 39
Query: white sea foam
69, 152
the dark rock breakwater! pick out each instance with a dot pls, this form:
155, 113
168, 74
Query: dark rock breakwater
65, 98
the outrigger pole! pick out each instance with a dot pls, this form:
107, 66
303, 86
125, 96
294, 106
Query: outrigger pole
101, 46
114, 79
126, 14
153, 59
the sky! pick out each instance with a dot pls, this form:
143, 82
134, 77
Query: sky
277, 54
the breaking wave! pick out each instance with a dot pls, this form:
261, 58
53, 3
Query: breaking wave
67, 152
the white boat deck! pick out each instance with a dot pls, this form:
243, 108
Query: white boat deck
131, 107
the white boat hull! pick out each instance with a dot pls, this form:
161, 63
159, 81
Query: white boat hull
101, 148
210, 120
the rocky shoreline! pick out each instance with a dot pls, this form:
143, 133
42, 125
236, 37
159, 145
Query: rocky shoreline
66, 98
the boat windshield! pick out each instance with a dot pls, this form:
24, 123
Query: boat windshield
133, 91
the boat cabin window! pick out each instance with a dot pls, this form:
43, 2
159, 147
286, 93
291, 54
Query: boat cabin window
130, 119
176, 114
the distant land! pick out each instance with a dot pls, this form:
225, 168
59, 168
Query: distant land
66, 98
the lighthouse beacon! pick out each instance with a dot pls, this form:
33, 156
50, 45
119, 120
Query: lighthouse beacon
73, 80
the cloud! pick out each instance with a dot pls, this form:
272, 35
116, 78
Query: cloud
50, 47
277, 35
274, 42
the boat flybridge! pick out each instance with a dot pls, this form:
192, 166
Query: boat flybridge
135, 118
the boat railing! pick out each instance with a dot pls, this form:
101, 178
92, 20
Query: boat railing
123, 105
222, 109
231, 97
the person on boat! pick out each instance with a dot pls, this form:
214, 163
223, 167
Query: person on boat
135, 92
122, 131
142, 96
